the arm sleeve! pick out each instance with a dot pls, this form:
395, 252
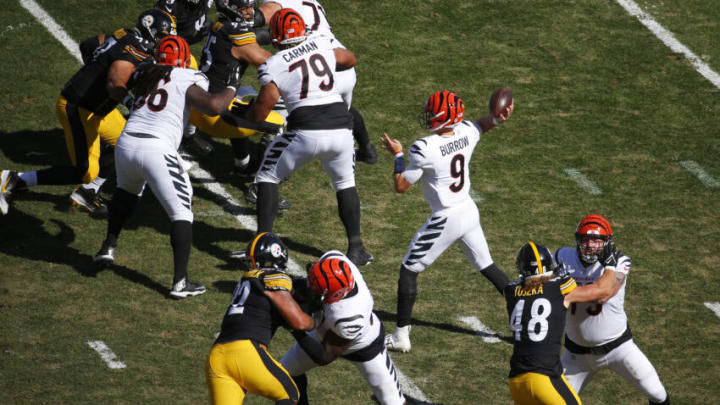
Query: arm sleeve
567, 284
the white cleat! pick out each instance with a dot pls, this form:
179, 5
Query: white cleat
399, 341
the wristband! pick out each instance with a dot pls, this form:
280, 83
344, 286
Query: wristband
399, 163
232, 87
496, 122
398, 153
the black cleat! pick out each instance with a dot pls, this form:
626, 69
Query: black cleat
184, 288
367, 155
251, 198
359, 256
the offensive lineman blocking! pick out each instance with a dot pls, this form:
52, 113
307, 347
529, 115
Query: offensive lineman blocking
598, 334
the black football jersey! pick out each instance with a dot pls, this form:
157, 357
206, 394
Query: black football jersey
191, 18
87, 87
217, 57
251, 315
537, 320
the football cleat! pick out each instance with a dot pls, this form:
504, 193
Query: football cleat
367, 154
399, 341
88, 200
184, 288
9, 181
359, 256
251, 198
106, 254
196, 145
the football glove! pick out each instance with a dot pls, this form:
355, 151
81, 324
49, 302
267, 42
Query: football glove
610, 254
234, 74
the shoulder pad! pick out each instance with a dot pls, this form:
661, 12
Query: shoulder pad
567, 284
273, 280
119, 33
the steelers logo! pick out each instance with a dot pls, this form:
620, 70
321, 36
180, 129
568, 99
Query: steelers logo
148, 21
276, 250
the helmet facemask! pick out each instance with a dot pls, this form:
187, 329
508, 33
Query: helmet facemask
591, 235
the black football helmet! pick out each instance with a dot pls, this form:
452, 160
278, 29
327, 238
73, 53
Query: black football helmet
534, 259
230, 9
154, 24
266, 251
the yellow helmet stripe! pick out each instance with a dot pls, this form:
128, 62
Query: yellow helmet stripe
537, 256
252, 249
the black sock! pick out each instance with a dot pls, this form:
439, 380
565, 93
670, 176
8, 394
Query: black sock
665, 402
496, 276
349, 210
240, 147
267, 205
60, 175
121, 208
181, 240
301, 382
360, 133
407, 292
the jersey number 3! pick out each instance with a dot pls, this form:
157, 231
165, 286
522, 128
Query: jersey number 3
537, 326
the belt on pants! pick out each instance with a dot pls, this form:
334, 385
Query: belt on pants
598, 350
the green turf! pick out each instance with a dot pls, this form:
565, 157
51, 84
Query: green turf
595, 91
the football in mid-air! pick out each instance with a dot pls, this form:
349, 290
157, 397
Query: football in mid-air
499, 100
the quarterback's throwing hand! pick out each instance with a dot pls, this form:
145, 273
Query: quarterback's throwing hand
391, 145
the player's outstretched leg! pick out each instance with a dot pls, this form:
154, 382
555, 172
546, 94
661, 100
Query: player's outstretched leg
407, 292
349, 210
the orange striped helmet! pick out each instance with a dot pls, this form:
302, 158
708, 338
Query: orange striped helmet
443, 109
173, 51
287, 28
332, 278
592, 226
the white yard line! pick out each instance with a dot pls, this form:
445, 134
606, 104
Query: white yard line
670, 41
477, 197
714, 306
704, 177
488, 336
55, 29
246, 221
583, 181
106, 354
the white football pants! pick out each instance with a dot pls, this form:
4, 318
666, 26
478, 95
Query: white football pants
140, 161
379, 372
293, 149
627, 360
441, 230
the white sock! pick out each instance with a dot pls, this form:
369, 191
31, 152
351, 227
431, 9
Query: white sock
242, 162
189, 130
402, 331
30, 178
95, 184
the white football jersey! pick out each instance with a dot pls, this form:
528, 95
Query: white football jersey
589, 323
352, 317
314, 16
304, 74
164, 112
443, 163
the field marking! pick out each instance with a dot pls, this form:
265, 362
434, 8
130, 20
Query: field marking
477, 197
704, 177
230, 205
583, 181
714, 306
670, 41
488, 336
235, 209
409, 388
106, 354
55, 29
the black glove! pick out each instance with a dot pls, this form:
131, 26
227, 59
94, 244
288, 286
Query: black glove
309, 301
610, 254
234, 74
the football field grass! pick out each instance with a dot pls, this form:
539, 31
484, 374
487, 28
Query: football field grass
608, 119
